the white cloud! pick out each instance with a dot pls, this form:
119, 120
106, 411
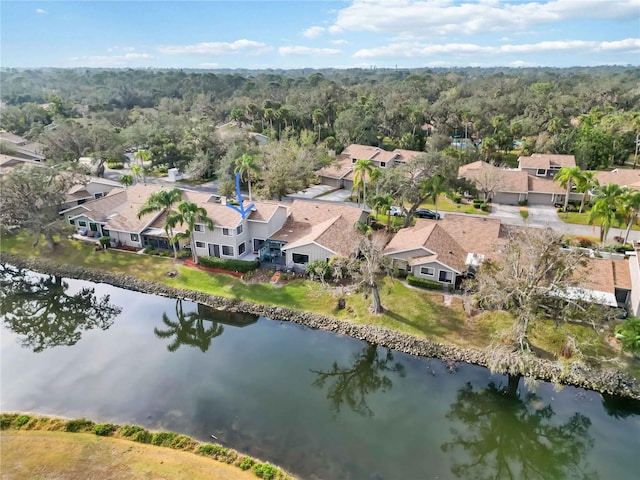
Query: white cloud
41, 11
313, 32
216, 48
339, 42
437, 17
208, 65
121, 49
422, 49
300, 50
110, 60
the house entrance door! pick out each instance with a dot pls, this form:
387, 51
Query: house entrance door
214, 250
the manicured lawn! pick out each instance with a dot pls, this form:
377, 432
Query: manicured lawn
446, 205
583, 219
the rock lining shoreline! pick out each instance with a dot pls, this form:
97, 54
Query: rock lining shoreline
599, 379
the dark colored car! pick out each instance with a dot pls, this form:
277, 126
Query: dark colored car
426, 213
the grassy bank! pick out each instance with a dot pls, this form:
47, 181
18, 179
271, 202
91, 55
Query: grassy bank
413, 311
41, 447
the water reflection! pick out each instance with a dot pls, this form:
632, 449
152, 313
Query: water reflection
509, 436
44, 314
198, 328
350, 385
620, 407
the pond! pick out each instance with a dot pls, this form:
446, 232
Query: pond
321, 405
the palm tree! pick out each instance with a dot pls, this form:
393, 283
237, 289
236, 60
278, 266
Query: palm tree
606, 208
383, 204
189, 213
317, 117
126, 180
433, 187
631, 207
138, 173
584, 185
567, 176
141, 156
361, 174
159, 201
375, 176
244, 166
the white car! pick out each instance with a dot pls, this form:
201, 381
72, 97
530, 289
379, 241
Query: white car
396, 212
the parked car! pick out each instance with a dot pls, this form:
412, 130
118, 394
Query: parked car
426, 213
396, 212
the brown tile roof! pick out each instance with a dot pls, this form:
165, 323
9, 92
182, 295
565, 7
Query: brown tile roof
621, 274
513, 181
473, 234
430, 235
124, 218
366, 152
596, 275
330, 225
264, 211
338, 169
406, 155
546, 161
544, 185
620, 176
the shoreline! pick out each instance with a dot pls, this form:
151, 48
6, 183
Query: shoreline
602, 380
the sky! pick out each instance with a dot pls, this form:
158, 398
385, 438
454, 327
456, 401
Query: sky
319, 34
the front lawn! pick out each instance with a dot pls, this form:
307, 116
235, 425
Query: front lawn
583, 219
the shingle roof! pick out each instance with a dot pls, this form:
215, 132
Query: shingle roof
620, 176
544, 185
513, 181
406, 155
473, 234
338, 169
470, 167
546, 161
603, 275
366, 152
330, 225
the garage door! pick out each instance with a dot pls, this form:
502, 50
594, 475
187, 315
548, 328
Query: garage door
540, 198
505, 198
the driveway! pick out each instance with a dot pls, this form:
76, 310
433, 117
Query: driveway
508, 214
543, 215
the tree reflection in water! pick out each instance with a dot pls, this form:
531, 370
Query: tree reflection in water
40, 310
189, 329
506, 436
350, 385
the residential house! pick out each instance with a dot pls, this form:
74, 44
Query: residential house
22, 148
313, 231
338, 174
444, 250
510, 187
545, 164
620, 176
608, 282
94, 187
9, 162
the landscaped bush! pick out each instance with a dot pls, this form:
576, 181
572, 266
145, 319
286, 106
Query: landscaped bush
104, 241
163, 439
455, 198
166, 253
231, 265
318, 269
625, 247
265, 471
212, 450
114, 164
103, 429
477, 202
424, 283
523, 203
79, 425
585, 242
484, 207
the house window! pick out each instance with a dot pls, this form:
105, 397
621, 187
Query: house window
134, 237
353, 160
445, 276
98, 195
541, 172
200, 244
82, 223
299, 258
72, 221
227, 250
198, 227
105, 232
383, 164
226, 231
257, 244
241, 248
239, 229
430, 272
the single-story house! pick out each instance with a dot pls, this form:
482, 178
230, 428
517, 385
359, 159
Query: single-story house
545, 164
444, 250
314, 231
606, 281
339, 174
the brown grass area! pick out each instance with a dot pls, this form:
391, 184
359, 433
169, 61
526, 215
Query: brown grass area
69, 456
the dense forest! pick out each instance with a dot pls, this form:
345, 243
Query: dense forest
471, 114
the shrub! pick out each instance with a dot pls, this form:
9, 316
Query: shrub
585, 242
79, 425
211, 449
477, 202
424, 283
523, 203
246, 463
6, 420
484, 207
265, 471
318, 269
163, 439
242, 266
114, 164
142, 436
625, 247
629, 335
104, 241
524, 213
22, 420
455, 198
103, 429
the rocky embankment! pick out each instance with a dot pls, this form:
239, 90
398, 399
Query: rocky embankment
600, 379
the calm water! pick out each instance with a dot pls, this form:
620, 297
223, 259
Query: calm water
319, 404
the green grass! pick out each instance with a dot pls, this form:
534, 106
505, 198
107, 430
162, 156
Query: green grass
445, 204
583, 219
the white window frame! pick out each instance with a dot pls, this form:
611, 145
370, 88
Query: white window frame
239, 229
198, 227
228, 247
242, 248
446, 272
424, 271
134, 237
199, 244
82, 223
227, 232
302, 255
543, 170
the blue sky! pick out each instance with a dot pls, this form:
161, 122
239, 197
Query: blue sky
316, 34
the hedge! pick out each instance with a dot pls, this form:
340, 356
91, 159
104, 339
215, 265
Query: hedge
424, 283
242, 266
